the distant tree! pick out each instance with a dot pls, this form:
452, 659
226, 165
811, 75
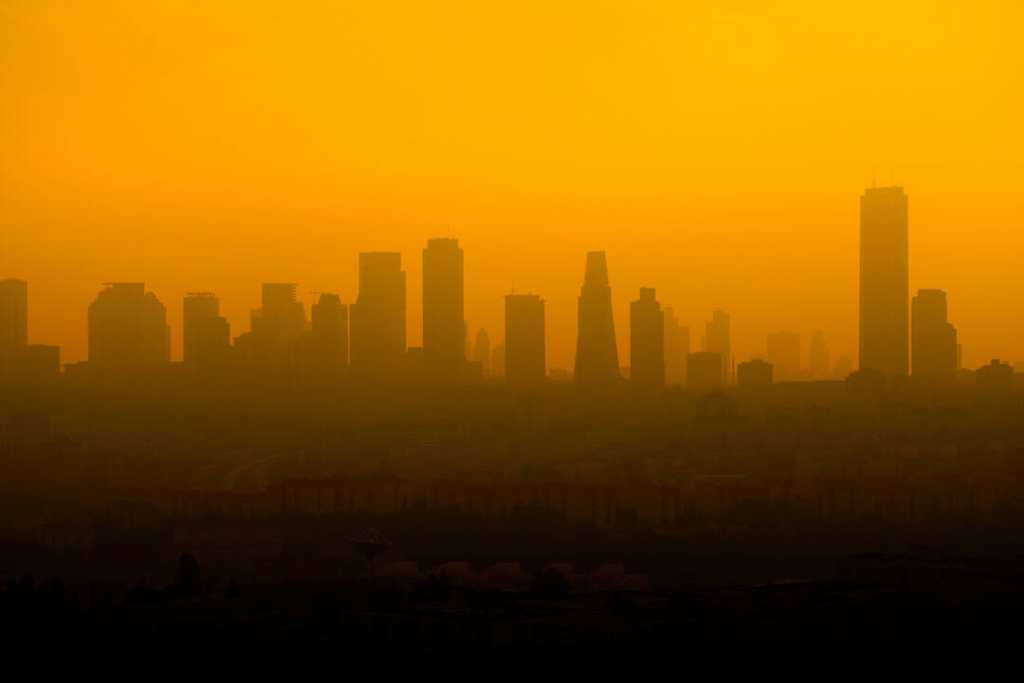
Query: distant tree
550, 584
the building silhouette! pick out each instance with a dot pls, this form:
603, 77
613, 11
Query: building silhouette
482, 352
597, 357
646, 341
884, 281
818, 360
704, 371
718, 339
329, 332
13, 315
933, 338
128, 329
997, 376
525, 358
444, 325
783, 352
498, 360
206, 335
377, 338
677, 346
754, 374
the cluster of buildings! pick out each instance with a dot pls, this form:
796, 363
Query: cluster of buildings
128, 331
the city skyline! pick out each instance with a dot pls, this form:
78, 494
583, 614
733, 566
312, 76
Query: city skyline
884, 263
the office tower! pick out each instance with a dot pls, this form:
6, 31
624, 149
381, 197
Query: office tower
647, 341
704, 371
597, 358
498, 361
933, 339
675, 355
754, 374
684, 348
329, 332
482, 352
525, 363
281, 319
13, 315
127, 329
884, 281
206, 334
444, 325
818, 357
377, 318
783, 352
718, 339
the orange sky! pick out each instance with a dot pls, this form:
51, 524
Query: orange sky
716, 149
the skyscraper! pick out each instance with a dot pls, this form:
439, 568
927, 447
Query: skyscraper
377, 318
13, 315
933, 338
444, 325
206, 335
482, 352
127, 329
675, 354
646, 341
525, 360
783, 352
884, 280
597, 358
818, 357
330, 331
718, 339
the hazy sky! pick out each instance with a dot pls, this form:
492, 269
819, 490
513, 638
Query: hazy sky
715, 148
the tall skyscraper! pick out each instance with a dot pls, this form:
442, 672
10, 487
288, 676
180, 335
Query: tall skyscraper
498, 360
13, 315
783, 352
206, 335
127, 329
377, 319
482, 352
818, 357
675, 355
884, 281
444, 325
329, 330
718, 339
597, 357
646, 341
525, 359
933, 338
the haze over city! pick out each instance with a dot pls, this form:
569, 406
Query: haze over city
461, 331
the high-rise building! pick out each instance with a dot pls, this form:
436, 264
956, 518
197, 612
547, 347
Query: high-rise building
206, 335
646, 341
704, 371
818, 357
675, 354
482, 352
444, 325
933, 338
718, 339
754, 374
13, 315
783, 352
884, 281
127, 329
525, 358
329, 331
377, 319
597, 357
